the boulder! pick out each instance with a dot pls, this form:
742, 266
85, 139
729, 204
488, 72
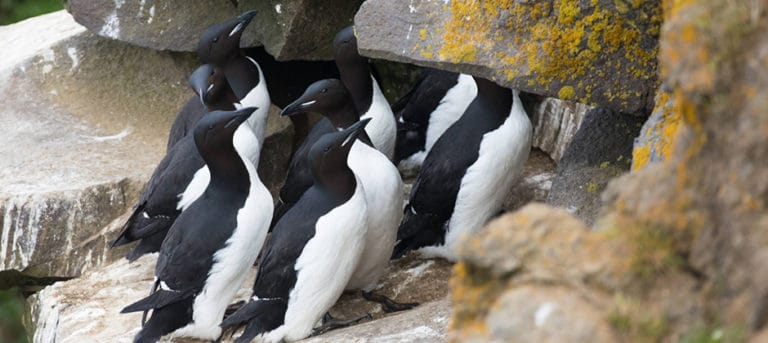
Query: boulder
87, 308
535, 182
539, 274
290, 30
86, 121
704, 206
599, 53
600, 151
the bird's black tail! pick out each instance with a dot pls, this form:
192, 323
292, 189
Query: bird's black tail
147, 245
165, 320
418, 230
259, 316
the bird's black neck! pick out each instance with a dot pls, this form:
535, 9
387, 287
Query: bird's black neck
228, 171
242, 75
356, 76
493, 96
340, 182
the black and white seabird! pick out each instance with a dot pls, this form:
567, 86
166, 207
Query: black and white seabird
211, 246
379, 178
437, 101
212, 94
313, 250
158, 204
467, 174
355, 72
220, 46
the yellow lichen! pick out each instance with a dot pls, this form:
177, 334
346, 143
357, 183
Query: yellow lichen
566, 93
564, 47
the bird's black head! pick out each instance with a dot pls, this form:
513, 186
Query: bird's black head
326, 97
345, 47
328, 156
209, 83
221, 42
214, 131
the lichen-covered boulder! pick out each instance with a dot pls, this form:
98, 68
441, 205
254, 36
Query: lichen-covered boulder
706, 212
600, 151
601, 52
288, 29
539, 274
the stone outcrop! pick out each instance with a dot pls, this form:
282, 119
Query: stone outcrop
706, 212
539, 274
289, 30
600, 53
600, 151
85, 122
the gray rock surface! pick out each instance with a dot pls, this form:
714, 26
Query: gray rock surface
85, 120
600, 151
86, 309
288, 29
602, 53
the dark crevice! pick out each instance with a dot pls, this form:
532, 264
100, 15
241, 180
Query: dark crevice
26, 284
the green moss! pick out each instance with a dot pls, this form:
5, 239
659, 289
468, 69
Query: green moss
592, 187
620, 322
714, 334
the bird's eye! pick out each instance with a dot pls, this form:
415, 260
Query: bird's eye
327, 149
210, 127
324, 90
215, 39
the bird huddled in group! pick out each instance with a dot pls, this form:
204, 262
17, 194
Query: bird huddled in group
342, 214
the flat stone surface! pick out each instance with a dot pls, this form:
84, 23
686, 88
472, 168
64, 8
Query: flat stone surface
289, 30
85, 120
86, 309
600, 53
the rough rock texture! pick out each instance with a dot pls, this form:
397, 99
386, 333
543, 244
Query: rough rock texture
87, 309
86, 120
706, 212
600, 151
539, 274
656, 140
555, 122
600, 53
288, 29
80, 116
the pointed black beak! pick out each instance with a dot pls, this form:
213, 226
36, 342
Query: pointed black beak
351, 133
242, 22
300, 105
240, 116
198, 81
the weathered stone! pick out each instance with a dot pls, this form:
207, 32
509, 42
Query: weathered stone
655, 142
546, 314
87, 308
426, 323
600, 53
288, 29
703, 210
600, 151
555, 122
86, 120
521, 269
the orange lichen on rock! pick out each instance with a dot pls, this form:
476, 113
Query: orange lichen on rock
657, 141
560, 41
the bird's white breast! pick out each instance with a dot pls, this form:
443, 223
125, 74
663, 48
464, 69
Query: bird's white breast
450, 109
384, 195
324, 267
383, 128
487, 182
